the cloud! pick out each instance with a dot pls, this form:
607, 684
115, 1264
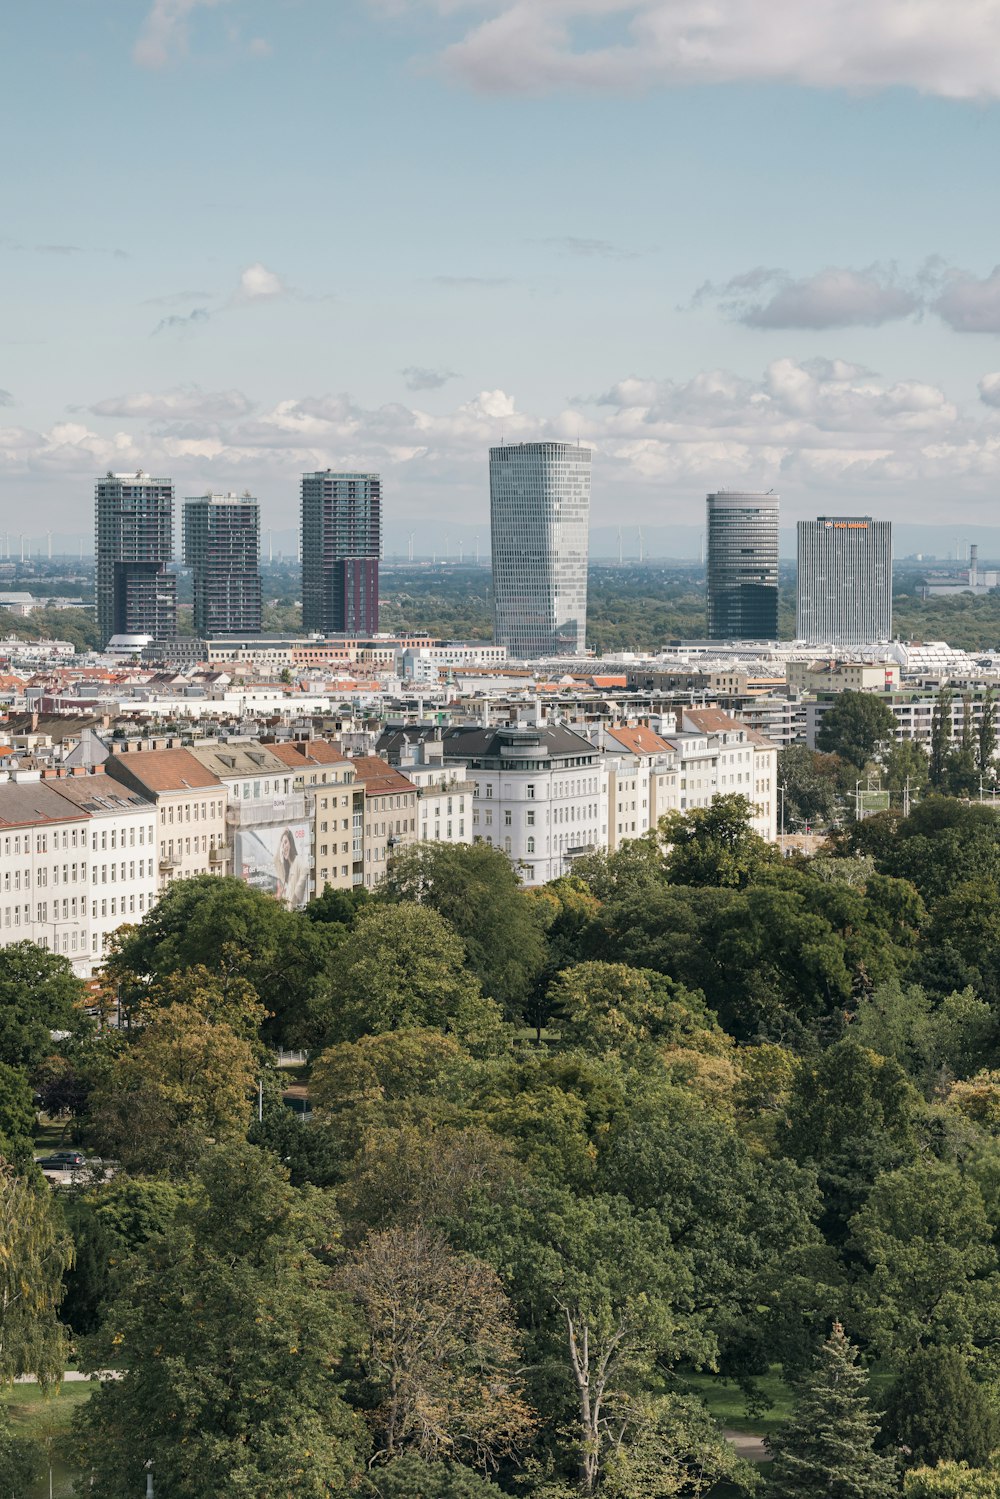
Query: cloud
823, 431
836, 297
6, 399
164, 36
538, 46
257, 283
188, 402
419, 378
602, 249
970, 305
177, 322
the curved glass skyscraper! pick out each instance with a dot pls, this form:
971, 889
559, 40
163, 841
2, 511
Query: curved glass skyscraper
540, 533
742, 539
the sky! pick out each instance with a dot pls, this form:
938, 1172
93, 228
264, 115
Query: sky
727, 243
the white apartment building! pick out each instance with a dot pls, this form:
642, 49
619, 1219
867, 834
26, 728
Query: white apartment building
190, 808
721, 757
45, 863
445, 793
268, 832
540, 794
325, 777
124, 875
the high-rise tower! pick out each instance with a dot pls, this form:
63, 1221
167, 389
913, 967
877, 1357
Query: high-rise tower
742, 535
341, 547
843, 593
222, 547
539, 525
136, 595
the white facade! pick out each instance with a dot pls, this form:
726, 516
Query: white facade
44, 870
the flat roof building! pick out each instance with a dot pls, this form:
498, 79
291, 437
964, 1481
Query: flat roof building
341, 547
222, 548
843, 593
134, 520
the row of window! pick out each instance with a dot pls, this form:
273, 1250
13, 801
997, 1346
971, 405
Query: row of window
208, 809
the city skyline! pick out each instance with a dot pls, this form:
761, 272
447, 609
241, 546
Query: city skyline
842, 348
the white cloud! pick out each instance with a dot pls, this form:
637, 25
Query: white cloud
258, 283
535, 46
176, 405
164, 35
968, 304
824, 431
837, 297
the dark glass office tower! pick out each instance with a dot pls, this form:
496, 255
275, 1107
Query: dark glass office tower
222, 547
341, 547
136, 595
742, 565
539, 529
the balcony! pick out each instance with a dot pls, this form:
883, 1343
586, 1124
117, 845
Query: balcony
169, 861
217, 855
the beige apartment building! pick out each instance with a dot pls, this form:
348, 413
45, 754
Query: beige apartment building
390, 814
190, 808
335, 807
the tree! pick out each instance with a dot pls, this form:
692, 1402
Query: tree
714, 845
228, 1339
953, 1481
828, 1446
940, 738
668, 1448
476, 889
183, 1084
936, 1410
39, 994
986, 745
17, 1112
809, 783
20, 1460
410, 1477
440, 1352
932, 1272
34, 1252
610, 1007
403, 966
905, 768
856, 727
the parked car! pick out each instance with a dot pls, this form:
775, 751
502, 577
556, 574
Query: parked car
62, 1160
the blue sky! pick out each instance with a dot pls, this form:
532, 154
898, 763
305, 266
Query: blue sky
737, 243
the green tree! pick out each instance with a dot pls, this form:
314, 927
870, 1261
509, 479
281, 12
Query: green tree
228, 1338
905, 769
17, 1113
809, 782
39, 994
986, 745
475, 888
953, 1481
828, 1446
856, 727
668, 1448
20, 1460
936, 1411
410, 1477
34, 1252
714, 845
940, 738
610, 1007
403, 966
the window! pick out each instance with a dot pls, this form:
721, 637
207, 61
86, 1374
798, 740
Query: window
531, 819
530, 792
508, 817
531, 845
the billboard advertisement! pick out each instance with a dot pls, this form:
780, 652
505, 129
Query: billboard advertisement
275, 859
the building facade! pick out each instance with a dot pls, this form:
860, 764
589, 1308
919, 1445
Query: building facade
444, 791
268, 834
222, 548
742, 537
389, 816
335, 806
843, 591
341, 546
134, 519
539, 528
190, 809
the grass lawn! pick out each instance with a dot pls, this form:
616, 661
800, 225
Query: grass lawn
727, 1402
48, 1418
51, 1134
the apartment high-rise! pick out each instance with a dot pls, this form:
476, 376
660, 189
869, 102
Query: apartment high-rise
222, 547
843, 593
539, 527
742, 533
136, 595
341, 547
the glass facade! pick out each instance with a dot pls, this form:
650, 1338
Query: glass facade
742, 533
843, 593
540, 533
222, 548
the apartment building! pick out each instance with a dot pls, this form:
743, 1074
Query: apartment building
124, 874
643, 779
190, 806
335, 807
268, 835
44, 869
721, 757
444, 791
390, 814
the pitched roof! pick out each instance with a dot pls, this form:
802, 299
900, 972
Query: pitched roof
98, 794
32, 803
238, 758
155, 771
378, 778
712, 721
639, 740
